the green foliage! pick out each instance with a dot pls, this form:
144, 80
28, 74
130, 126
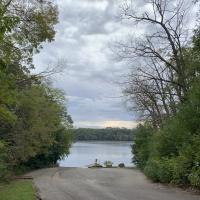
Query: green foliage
108, 163
41, 135
55, 152
28, 25
170, 151
112, 134
6, 22
140, 148
172, 154
39, 117
35, 128
194, 177
151, 168
4, 172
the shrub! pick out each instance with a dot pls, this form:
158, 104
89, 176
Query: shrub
108, 163
194, 176
140, 148
164, 171
4, 169
151, 169
171, 154
121, 165
181, 167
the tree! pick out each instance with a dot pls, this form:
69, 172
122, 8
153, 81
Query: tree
36, 20
164, 87
161, 78
34, 122
112, 134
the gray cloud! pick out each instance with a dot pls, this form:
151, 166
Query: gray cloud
84, 32
85, 29
88, 16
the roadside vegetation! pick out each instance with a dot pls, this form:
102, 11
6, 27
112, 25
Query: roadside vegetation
35, 128
105, 134
164, 89
18, 190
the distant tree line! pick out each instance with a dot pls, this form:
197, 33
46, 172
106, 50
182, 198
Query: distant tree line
105, 134
35, 128
163, 88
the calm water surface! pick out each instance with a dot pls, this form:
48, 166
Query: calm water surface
84, 153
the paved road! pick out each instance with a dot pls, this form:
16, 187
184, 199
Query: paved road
102, 184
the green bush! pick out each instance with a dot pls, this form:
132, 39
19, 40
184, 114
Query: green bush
181, 167
4, 168
164, 171
58, 150
140, 148
108, 163
151, 169
159, 170
171, 154
194, 176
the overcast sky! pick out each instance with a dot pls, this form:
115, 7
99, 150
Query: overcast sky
85, 30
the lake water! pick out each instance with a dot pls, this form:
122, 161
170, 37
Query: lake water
85, 152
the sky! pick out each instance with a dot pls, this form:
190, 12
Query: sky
84, 34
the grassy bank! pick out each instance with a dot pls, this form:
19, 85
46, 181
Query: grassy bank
17, 190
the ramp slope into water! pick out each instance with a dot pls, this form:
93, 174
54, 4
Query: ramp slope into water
102, 184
